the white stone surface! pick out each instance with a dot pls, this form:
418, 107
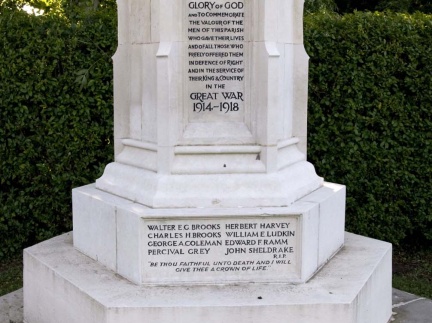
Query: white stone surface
62, 285
331, 219
97, 233
168, 147
317, 220
412, 309
160, 190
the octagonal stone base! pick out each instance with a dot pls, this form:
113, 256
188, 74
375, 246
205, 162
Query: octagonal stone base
63, 285
210, 245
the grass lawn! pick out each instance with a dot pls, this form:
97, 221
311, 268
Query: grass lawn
412, 272
11, 275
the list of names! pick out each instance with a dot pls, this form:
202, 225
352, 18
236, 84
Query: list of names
236, 245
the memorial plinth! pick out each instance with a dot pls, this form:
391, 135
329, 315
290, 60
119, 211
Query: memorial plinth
351, 288
220, 245
210, 97
210, 192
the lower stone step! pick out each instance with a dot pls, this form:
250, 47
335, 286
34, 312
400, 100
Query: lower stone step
63, 285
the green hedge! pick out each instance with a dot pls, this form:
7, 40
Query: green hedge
55, 118
369, 118
370, 125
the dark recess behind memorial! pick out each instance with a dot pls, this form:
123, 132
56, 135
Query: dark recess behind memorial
349, 6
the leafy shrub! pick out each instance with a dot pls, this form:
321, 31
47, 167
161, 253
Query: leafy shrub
55, 133
370, 126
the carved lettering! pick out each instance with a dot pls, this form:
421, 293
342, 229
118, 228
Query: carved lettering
221, 245
216, 58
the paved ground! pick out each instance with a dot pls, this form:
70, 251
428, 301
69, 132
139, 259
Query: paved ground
407, 308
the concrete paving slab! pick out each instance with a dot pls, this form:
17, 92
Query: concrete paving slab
407, 308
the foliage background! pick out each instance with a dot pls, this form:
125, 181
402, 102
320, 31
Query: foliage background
370, 99
370, 128
55, 118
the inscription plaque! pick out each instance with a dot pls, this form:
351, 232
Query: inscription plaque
228, 249
215, 60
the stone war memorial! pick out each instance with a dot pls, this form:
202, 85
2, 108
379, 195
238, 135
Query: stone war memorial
210, 212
